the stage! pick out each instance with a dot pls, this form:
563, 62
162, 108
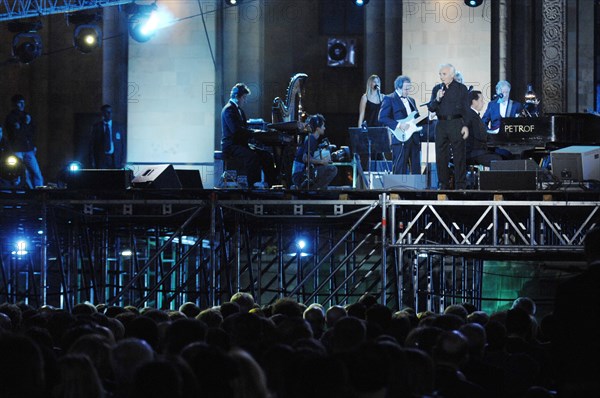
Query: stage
162, 248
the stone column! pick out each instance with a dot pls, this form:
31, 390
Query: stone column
116, 90
503, 43
374, 62
554, 56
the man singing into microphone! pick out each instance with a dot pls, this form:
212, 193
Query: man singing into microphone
450, 101
501, 106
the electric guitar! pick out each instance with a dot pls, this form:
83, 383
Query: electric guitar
404, 135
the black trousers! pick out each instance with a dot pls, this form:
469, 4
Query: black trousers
449, 144
254, 161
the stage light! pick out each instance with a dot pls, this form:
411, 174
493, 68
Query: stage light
27, 43
27, 47
126, 253
233, 2
11, 168
12, 161
145, 20
87, 38
21, 247
361, 3
473, 3
301, 244
74, 166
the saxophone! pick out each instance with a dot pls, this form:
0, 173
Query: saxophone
291, 110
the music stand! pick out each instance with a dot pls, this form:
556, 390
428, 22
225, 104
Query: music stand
370, 140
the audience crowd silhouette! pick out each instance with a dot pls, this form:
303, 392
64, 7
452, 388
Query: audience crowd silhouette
290, 350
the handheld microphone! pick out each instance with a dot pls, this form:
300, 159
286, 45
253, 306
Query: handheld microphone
497, 96
377, 87
470, 88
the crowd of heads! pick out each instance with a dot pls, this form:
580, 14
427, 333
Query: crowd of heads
286, 349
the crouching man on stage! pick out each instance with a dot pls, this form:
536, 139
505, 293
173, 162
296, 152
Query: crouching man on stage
235, 136
320, 172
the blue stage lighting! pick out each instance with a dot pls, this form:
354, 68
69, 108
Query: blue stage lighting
361, 3
74, 166
301, 244
473, 3
21, 248
145, 20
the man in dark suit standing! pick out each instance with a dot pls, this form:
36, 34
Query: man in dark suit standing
450, 102
108, 146
501, 107
235, 136
395, 107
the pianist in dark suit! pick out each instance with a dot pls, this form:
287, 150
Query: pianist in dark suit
477, 149
108, 147
501, 107
235, 136
395, 107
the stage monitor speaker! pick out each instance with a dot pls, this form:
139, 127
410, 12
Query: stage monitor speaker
190, 179
100, 180
577, 163
508, 180
160, 176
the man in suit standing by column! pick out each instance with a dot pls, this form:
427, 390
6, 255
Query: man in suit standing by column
108, 146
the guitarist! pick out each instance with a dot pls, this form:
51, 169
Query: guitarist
395, 107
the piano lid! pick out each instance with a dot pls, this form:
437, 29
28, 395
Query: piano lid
576, 128
568, 128
535, 131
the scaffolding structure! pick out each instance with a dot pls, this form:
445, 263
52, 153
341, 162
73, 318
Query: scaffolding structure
165, 248
20, 9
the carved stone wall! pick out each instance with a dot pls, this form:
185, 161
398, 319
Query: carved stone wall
554, 56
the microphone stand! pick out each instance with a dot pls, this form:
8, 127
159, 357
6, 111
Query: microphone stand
427, 166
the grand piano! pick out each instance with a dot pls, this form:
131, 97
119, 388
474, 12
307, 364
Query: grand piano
527, 137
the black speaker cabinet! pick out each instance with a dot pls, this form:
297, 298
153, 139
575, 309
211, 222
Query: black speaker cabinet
190, 179
525, 180
160, 176
341, 52
100, 180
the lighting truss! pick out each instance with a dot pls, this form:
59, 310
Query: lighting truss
18, 9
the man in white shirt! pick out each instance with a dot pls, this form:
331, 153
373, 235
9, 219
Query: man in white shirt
502, 106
